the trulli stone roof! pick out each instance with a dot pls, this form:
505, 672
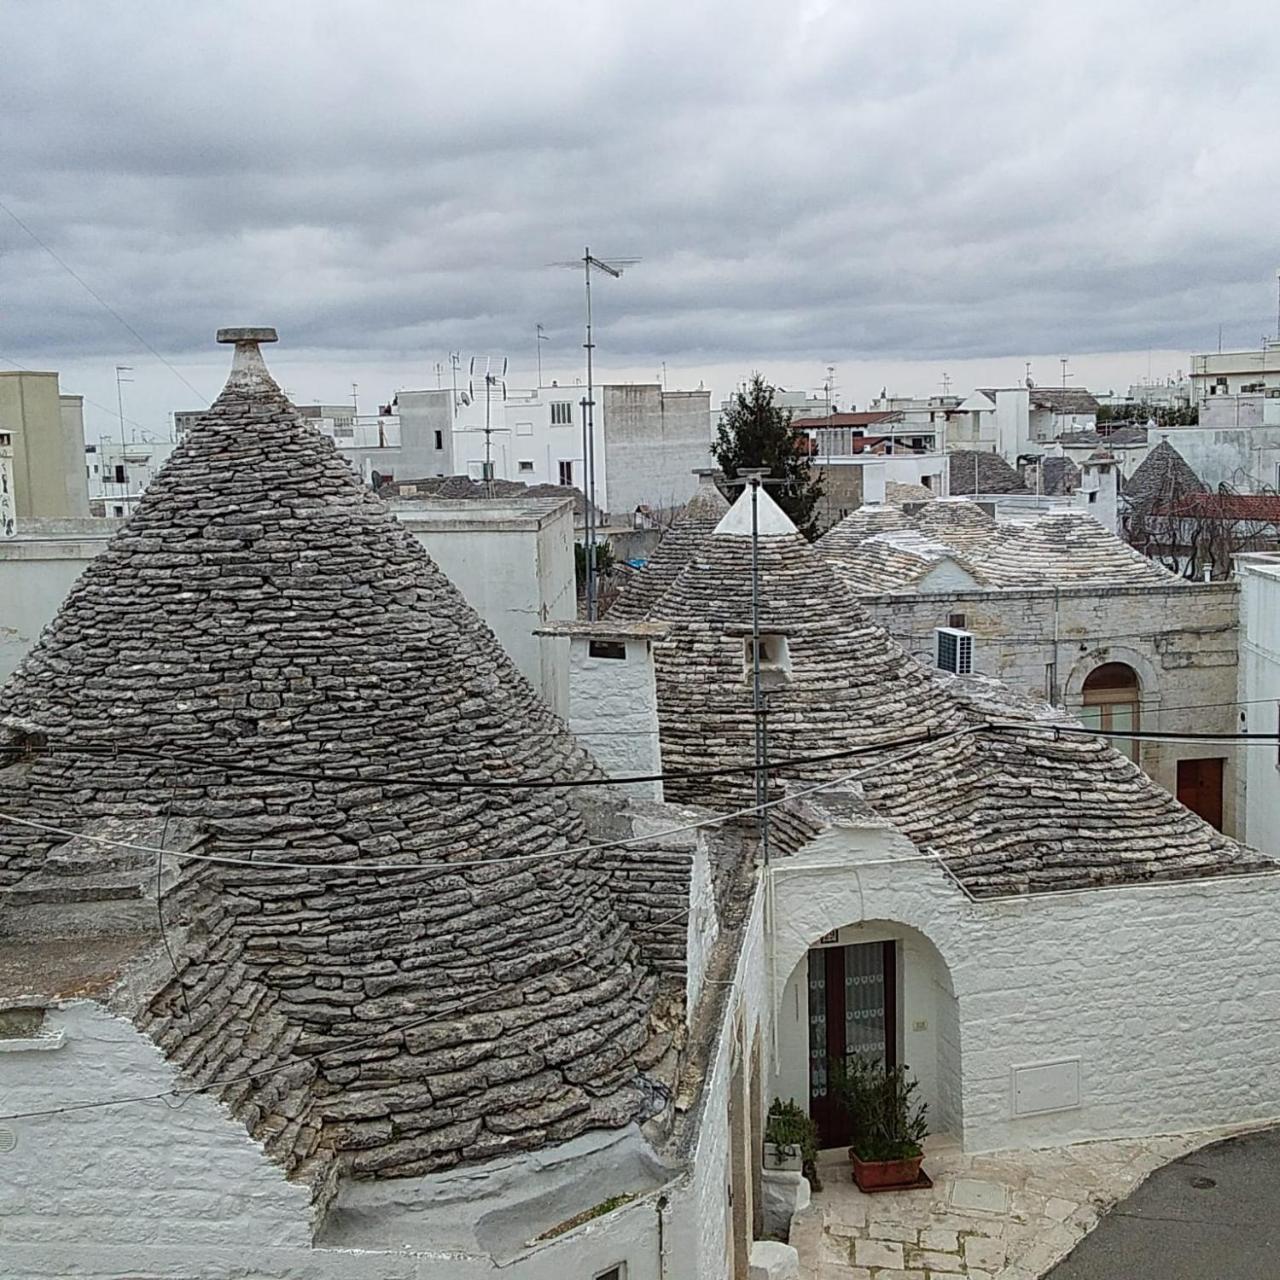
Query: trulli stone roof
958, 522
896, 561
973, 471
859, 525
695, 522
1009, 812
896, 492
1162, 478
261, 608
1067, 548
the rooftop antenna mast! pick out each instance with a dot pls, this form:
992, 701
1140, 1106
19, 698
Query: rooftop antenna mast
491, 380
122, 368
542, 337
612, 267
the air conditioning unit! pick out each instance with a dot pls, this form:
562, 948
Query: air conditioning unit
954, 650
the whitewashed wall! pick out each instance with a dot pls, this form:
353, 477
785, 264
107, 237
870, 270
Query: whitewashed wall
1167, 995
1260, 697
176, 1192
613, 708
513, 562
698, 1240
35, 576
88, 1192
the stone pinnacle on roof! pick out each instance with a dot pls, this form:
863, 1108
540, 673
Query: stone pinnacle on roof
287, 653
769, 519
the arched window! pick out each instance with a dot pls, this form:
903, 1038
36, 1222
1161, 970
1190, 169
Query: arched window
1112, 699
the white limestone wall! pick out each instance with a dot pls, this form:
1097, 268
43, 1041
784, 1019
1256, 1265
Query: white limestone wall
135, 1180
1260, 697
613, 709
1168, 996
513, 563
35, 576
697, 1236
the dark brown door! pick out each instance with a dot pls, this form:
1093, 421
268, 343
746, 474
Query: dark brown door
1200, 788
852, 1009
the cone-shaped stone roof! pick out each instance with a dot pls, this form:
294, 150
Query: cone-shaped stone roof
1163, 477
1010, 812
1066, 548
975, 471
958, 522
898, 561
865, 522
262, 609
696, 520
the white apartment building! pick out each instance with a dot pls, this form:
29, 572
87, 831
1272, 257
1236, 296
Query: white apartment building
1230, 373
647, 442
118, 472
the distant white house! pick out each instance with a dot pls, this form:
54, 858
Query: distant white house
119, 472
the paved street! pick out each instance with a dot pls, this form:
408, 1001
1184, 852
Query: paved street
1212, 1215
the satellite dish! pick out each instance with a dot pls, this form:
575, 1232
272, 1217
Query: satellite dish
465, 397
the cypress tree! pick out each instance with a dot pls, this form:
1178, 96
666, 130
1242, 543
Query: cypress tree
755, 432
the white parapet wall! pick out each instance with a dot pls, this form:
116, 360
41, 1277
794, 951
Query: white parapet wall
512, 559
1050, 1018
613, 697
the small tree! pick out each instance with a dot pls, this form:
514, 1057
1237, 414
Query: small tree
754, 432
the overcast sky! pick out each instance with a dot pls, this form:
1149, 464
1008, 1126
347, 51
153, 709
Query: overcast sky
895, 188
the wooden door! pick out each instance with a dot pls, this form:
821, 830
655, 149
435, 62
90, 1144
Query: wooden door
1200, 787
852, 1009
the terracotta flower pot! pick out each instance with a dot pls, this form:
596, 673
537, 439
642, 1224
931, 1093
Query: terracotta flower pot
876, 1175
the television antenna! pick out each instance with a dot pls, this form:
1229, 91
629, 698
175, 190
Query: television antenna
492, 379
541, 334
611, 267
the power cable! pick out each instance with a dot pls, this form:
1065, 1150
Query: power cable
462, 864
113, 749
100, 300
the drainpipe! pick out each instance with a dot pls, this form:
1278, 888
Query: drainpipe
660, 1206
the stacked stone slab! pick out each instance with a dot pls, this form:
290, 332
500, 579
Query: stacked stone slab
1066, 548
865, 522
973, 471
279, 664
897, 561
1009, 811
1163, 477
958, 522
696, 521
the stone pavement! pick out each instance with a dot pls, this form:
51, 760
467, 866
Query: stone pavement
999, 1216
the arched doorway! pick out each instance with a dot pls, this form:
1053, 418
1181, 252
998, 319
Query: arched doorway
876, 987
1112, 702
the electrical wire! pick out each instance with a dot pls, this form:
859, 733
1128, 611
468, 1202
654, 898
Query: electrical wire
463, 864
100, 300
1143, 735
114, 749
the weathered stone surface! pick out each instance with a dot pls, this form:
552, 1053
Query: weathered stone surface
264, 661
1018, 811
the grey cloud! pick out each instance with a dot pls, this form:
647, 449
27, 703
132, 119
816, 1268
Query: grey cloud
822, 181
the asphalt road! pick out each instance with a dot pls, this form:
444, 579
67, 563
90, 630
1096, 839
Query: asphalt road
1213, 1215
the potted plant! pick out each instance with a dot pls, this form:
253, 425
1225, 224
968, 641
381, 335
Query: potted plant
791, 1141
889, 1125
